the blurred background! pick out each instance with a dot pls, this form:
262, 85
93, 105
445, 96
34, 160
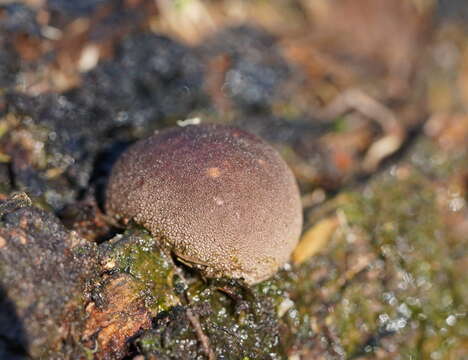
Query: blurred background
367, 100
340, 85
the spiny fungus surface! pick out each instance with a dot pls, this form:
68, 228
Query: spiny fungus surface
223, 200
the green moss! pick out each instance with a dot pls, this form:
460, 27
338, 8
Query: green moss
138, 254
418, 298
174, 338
239, 320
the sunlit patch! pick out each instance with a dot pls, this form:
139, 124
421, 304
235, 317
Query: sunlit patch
213, 172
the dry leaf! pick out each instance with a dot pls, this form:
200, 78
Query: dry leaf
314, 239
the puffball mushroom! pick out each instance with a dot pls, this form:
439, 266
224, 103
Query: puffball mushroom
218, 197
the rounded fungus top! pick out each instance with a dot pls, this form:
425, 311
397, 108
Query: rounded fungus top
220, 198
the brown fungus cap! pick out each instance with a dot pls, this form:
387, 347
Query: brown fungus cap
220, 198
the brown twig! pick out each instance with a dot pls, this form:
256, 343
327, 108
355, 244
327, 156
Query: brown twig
205, 341
195, 321
394, 133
